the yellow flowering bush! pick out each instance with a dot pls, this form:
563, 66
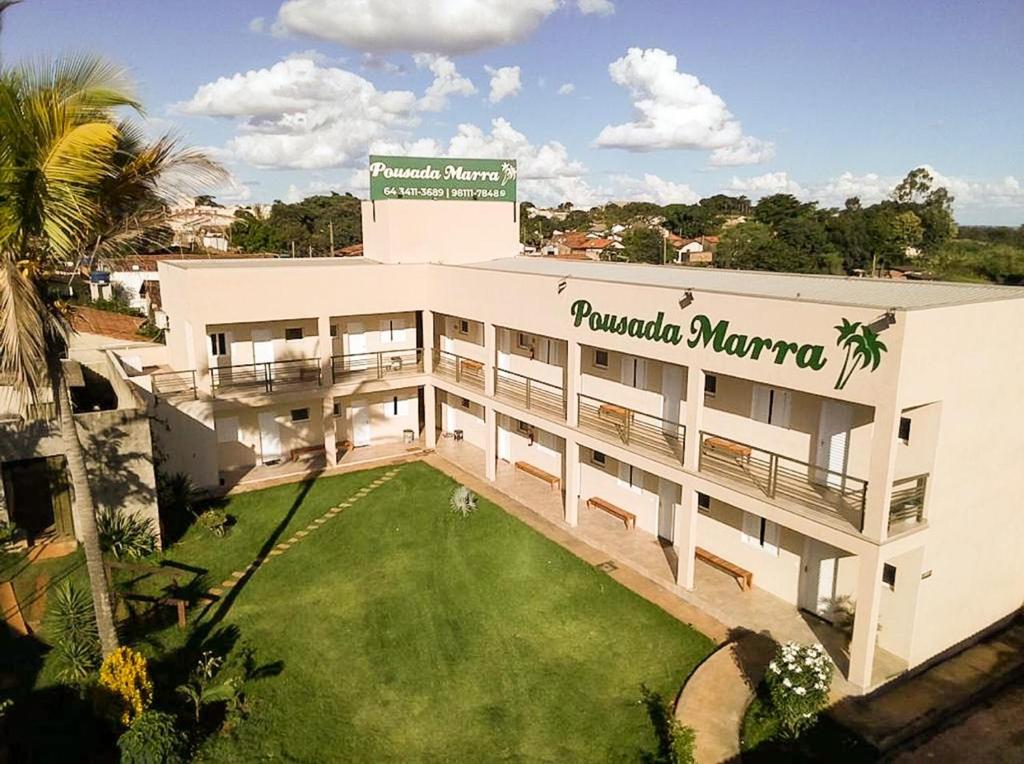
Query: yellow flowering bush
124, 680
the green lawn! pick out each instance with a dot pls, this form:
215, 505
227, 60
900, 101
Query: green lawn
401, 631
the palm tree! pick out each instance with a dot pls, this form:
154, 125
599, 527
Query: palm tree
863, 350
72, 180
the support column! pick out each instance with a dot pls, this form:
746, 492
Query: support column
572, 482
573, 362
865, 620
490, 348
201, 353
684, 538
491, 444
881, 468
427, 327
694, 417
430, 417
330, 438
325, 347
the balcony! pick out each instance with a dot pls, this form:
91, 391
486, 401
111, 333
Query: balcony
175, 385
792, 483
385, 364
531, 394
267, 377
463, 371
641, 433
906, 505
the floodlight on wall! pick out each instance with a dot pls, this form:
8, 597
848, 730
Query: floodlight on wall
883, 322
687, 299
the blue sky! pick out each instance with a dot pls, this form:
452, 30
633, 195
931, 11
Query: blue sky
669, 100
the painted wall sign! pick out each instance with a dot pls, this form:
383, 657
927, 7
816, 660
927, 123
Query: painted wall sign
492, 180
861, 343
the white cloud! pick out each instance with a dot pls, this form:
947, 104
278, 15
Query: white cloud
598, 7
566, 89
447, 81
767, 184
378, 63
435, 26
547, 161
258, 25
504, 82
674, 110
651, 188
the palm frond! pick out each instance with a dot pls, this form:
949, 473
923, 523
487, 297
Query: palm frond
23, 331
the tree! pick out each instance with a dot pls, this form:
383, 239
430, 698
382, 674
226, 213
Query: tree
773, 210
643, 245
754, 246
71, 178
307, 225
692, 220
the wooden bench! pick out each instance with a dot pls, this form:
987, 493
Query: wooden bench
608, 411
537, 472
470, 365
743, 577
606, 506
298, 453
736, 450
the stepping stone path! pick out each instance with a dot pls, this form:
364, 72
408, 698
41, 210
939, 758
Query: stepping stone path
277, 551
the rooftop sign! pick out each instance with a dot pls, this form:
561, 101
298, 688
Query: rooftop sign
489, 180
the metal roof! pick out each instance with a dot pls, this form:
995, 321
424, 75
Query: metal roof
834, 290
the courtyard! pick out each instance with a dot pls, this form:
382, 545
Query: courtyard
387, 627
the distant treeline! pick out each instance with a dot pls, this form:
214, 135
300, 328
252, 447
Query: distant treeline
302, 227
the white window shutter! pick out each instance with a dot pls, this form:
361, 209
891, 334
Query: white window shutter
627, 370
623, 475
385, 331
751, 533
771, 538
641, 373
781, 407
759, 403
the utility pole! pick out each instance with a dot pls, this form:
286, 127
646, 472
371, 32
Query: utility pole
330, 227
293, 248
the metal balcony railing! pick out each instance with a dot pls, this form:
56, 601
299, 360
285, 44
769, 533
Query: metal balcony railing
906, 504
641, 433
384, 364
531, 394
267, 377
834, 494
464, 371
175, 385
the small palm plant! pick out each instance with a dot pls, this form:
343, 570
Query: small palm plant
863, 349
463, 501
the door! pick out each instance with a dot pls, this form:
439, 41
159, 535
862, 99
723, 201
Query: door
668, 500
356, 338
671, 395
447, 344
504, 355
833, 442
449, 417
818, 578
771, 405
504, 444
270, 438
360, 423
40, 496
634, 371
262, 352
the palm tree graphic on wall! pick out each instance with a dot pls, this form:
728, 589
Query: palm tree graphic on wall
863, 349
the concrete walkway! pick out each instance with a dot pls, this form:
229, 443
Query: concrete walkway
714, 699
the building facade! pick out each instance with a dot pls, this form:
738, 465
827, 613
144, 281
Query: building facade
850, 444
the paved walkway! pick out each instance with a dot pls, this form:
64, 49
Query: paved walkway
240, 575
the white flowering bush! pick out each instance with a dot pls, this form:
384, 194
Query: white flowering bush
798, 678
463, 501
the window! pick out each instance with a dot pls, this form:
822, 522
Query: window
300, 415
760, 532
601, 358
630, 477
905, 429
393, 407
770, 405
710, 385
392, 331
703, 502
293, 333
218, 344
889, 575
465, 403
227, 429
334, 330
523, 341
463, 326
337, 409
524, 428
598, 458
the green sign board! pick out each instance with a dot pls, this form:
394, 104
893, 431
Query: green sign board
489, 180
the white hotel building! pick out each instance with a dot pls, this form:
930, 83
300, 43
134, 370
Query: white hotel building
845, 442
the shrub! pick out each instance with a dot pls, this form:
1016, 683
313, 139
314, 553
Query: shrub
798, 678
9, 533
124, 684
216, 521
463, 501
126, 535
153, 738
71, 623
675, 740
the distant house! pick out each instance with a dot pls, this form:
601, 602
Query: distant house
579, 245
352, 250
699, 251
